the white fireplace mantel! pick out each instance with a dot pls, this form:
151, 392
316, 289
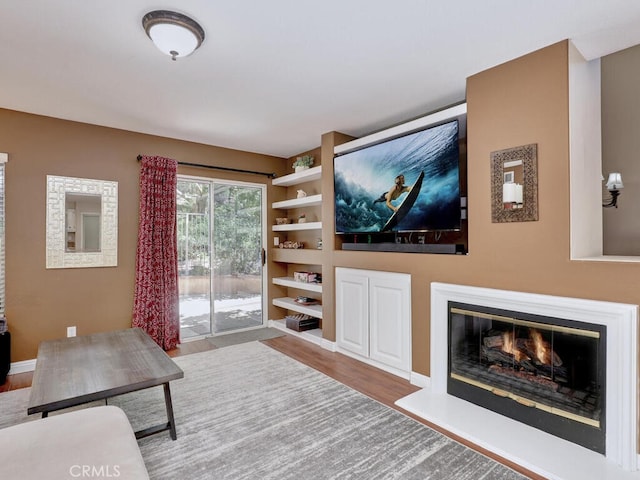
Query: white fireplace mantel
539, 451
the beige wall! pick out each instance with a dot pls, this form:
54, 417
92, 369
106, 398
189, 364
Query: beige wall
621, 148
41, 303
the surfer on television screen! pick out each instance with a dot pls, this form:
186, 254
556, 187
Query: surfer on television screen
394, 192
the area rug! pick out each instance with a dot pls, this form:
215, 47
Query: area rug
250, 412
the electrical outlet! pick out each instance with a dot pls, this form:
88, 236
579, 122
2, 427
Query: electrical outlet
71, 331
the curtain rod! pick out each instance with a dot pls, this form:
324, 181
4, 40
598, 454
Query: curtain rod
228, 169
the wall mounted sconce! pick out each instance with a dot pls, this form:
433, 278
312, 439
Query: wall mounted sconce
614, 185
173, 33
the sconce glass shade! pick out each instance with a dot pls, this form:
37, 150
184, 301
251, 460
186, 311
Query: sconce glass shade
173, 33
615, 182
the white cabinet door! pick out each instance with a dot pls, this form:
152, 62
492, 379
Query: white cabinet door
390, 319
352, 311
373, 316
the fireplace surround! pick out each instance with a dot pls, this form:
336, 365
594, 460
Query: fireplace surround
539, 451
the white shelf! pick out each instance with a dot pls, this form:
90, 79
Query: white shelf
313, 336
290, 304
297, 178
292, 283
305, 256
291, 227
309, 201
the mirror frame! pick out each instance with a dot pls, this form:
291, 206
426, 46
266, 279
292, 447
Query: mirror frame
529, 211
57, 256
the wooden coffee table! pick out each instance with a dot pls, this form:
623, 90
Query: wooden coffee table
77, 370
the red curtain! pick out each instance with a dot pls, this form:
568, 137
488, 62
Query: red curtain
155, 305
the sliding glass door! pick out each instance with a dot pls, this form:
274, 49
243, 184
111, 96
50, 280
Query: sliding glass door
220, 242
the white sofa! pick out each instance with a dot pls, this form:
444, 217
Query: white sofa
96, 442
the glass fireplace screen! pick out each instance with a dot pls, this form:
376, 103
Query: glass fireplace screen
547, 372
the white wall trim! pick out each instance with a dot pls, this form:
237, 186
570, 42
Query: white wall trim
458, 112
328, 345
379, 365
420, 380
22, 367
585, 156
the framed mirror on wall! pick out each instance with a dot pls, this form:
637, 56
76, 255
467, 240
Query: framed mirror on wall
82, 223
514, 184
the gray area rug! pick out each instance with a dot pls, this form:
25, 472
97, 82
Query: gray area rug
244, 337
250, 412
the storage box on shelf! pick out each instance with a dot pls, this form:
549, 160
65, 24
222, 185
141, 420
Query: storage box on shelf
308, 256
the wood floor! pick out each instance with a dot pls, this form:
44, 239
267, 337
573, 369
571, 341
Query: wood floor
370, 381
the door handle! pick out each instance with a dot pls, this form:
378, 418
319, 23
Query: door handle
264, 256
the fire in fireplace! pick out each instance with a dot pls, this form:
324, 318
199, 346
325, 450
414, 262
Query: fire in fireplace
546, 372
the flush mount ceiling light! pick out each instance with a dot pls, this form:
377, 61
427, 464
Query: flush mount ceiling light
173, 33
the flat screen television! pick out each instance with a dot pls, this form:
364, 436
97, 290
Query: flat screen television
407, 184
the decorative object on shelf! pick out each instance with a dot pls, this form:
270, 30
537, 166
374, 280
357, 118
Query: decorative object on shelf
282, 221
301, 194
302, 300
290, 244
319, 244
301, 322
307, 277
173, 33
302, 218
614, 185
303, 163
514, 184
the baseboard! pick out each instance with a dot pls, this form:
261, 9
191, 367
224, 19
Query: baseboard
328, 345
22, 367
420, 380
392, 370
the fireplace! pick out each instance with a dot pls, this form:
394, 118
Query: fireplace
549, 373
606, 330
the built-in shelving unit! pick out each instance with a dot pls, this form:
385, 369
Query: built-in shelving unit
302, 256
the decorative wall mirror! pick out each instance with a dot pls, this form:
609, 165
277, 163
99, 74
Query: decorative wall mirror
82, 222
514, 184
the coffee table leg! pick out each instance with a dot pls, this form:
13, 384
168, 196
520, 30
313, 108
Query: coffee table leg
169, 405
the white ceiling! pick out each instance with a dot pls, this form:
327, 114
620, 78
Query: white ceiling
273, 76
